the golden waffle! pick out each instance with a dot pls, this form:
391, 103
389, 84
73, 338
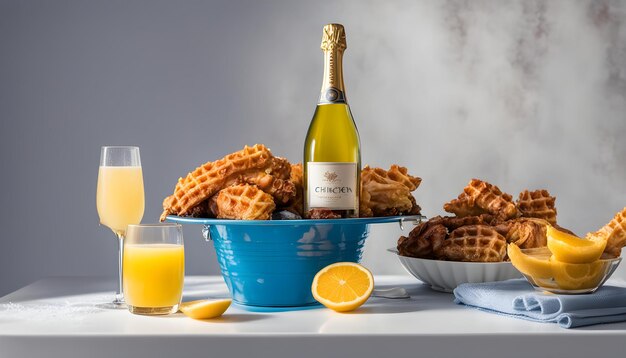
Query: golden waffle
387, 192
537, 204
208, 179
480, 197
281, 190
424, 241
463, 206
400, 175
474, 243
273, 180
615, 234
244, 202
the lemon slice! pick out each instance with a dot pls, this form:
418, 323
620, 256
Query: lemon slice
343, 286
577, 276
572, 249
535, 266
204, 309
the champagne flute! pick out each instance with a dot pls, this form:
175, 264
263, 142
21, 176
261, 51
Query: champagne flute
120, 197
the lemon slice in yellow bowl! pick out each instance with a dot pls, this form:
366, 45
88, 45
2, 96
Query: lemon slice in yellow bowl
535, 266
343, 286
572, 249
205, 309
577, 276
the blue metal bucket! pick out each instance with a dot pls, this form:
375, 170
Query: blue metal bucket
272, 263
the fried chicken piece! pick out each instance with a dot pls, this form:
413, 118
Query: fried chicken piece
480, 197
323, 214
474, 243
537, 204
364, 202
387, 192
453, 222
202, 210
526, 233
243, 202
393, 211
615, 234
296, 203
276, 181
252, 165
424, 241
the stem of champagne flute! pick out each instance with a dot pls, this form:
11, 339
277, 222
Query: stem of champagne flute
119, 296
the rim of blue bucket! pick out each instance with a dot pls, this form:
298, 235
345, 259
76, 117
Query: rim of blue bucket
372, 220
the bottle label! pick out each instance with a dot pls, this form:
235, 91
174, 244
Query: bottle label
332, 185
332, 95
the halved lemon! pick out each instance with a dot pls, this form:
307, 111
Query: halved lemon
204, 309
572, 249
535, 266
343, 286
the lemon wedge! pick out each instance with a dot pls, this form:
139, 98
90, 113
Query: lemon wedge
343, 286
572, 249
536, 267
204, 309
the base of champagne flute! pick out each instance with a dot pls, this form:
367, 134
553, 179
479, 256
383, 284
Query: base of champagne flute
113, 305
153, 311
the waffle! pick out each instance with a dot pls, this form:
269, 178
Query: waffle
537, 204
615, 234
387, 192
281, 190
480, 197
244, 202
474, 243
463, 206
246, 165
424, 241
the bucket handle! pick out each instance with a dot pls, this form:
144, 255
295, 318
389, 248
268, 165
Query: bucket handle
414, 221
206, 233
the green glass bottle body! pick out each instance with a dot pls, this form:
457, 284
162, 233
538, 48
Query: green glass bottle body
332, 149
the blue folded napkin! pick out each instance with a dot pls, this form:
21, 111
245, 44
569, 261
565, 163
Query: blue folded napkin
517, 298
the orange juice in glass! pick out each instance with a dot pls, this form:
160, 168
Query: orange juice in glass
154, 268
119, 197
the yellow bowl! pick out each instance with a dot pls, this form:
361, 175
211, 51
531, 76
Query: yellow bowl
563, 278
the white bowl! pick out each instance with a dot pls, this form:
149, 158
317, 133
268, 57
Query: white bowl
446, 275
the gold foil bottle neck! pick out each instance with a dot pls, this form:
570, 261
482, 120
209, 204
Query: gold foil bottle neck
333, 38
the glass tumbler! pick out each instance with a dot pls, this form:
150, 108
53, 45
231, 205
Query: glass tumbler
154, 268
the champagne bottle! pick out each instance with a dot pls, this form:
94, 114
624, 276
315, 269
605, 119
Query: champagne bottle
332, 149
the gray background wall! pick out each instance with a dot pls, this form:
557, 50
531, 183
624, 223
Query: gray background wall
525, 94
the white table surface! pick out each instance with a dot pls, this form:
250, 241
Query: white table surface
59, 317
